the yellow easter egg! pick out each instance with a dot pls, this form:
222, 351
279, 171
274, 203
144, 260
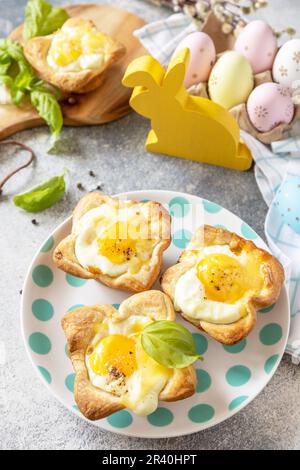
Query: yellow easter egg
231, 80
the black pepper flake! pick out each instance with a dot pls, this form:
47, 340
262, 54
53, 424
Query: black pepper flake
115, 372
80, 187
91, 173
34, 222
21, 292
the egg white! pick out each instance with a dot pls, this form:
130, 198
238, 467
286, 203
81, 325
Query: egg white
190, 298
92, 225
141, 390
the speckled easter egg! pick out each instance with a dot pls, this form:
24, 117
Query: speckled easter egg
286, 67
287, 202
231, 80
202, 57
269, 105
258, 43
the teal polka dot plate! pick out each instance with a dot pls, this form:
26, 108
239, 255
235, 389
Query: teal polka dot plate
228, 378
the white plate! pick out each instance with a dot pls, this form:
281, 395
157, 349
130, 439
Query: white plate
228, 378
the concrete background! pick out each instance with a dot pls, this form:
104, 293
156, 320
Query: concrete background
31, 418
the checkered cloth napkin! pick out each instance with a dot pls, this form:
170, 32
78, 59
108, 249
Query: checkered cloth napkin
277, 173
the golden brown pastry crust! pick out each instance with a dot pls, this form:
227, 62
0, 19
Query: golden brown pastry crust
272, 271
36, 50
64, 254
79, 326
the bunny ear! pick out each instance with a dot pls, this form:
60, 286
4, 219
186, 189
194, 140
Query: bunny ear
144, 71
175, 73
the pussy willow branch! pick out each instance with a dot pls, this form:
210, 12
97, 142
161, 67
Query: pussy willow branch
21, 167
231, 13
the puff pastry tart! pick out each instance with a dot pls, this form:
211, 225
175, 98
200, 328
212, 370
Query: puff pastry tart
220, 281
75, 57
117, 242
112, 369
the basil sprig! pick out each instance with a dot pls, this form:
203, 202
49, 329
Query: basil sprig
17, 75
169, 344
42, 196
41, 19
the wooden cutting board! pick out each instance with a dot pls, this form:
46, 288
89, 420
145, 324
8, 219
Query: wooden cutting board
110, 100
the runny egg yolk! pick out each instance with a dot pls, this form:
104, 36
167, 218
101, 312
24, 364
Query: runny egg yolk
69, 45
114, 354
65, 51
116, 245
223, 277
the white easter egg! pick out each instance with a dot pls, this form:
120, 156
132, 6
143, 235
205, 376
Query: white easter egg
286, 67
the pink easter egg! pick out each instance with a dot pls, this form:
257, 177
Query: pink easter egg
258, 43
269, 105
202, 57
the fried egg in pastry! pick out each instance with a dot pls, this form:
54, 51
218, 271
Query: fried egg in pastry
75, 57
119, 243
220, 281
112, 369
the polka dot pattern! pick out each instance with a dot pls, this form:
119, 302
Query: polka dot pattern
181, 238
121, 419
236, 402
203, 380
248, 232
161, 417
233, 372
75, 281
201, 343
237, 376
42, 276
42, 309
211, 207
267, 309
48, 245
179, 207
39, 343
270, 363
270, 334
236, 348
70, 381
201, 413
46, 374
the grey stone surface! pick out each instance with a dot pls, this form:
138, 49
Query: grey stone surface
31, 418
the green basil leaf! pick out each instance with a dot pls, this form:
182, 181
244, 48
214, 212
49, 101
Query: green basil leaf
16, 95
49, 109
22, 82
43, 196
5, 63
169, 344
5, 57
41, 18
6, 80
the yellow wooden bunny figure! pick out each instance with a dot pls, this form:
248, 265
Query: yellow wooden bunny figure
183, 125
